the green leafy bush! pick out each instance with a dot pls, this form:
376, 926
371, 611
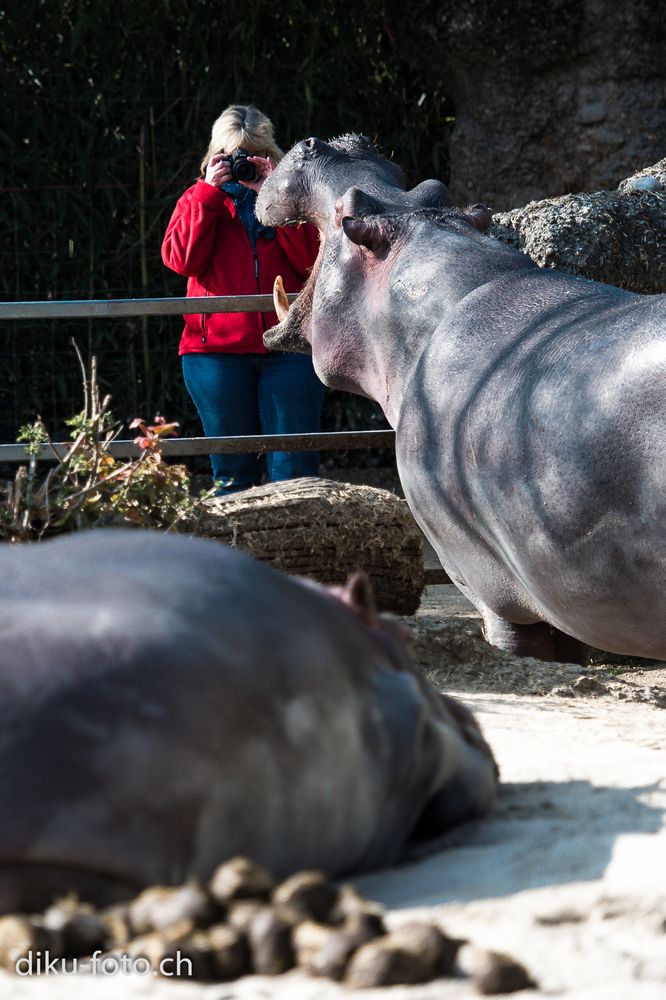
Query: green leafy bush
87, 487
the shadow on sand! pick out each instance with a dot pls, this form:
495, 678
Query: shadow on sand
540, 834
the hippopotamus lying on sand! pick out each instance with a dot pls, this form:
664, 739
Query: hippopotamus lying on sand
529, 405
169, 702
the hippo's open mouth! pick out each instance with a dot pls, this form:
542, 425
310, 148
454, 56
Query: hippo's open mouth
293, 331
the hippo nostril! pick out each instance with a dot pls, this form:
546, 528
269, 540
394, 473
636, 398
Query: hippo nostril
311, 146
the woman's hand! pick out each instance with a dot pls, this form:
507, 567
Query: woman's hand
218, 171
264, 166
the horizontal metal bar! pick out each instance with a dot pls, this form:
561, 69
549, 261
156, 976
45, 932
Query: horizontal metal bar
333, 441
110, 308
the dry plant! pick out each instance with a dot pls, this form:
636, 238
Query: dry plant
87, 486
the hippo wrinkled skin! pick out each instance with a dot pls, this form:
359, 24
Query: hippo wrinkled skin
169, 702
528, 404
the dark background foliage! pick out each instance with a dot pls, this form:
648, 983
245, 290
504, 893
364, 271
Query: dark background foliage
106, 112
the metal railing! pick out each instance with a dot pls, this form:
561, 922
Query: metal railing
119, 308
170, 447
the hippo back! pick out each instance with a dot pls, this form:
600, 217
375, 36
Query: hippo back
170, 702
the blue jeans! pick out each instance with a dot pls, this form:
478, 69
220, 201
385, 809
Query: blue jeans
239, 394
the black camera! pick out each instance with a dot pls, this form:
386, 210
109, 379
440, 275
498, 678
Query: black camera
241, 169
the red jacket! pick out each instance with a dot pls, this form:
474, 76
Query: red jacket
207, 242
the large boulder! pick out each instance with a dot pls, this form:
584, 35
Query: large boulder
618, 237
549, 97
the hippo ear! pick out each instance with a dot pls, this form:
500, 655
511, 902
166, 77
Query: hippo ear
357, 595
480, 217
429, 194
366, 233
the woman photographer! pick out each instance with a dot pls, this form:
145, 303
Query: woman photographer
216, 241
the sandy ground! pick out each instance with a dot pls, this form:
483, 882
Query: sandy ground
449, 646
569, 873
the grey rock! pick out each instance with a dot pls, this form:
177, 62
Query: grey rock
618, 237
642, 184
532, 83
650, 179
606, 136
592, 113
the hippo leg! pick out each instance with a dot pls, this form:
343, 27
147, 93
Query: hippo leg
541, 640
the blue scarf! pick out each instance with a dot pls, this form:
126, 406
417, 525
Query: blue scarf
244, 200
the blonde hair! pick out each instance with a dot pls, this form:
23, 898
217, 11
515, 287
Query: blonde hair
242, 125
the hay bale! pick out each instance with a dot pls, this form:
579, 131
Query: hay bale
325, 530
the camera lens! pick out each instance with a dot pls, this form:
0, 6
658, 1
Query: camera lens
242, 170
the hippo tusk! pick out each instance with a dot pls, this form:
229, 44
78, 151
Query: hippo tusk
280, 300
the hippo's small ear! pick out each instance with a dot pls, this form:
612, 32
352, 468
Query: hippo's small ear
429, 194
367, 233
357, 595
480, 217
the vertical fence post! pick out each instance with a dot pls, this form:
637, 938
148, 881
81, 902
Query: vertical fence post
148, 375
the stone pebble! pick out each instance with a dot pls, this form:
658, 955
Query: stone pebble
639, 184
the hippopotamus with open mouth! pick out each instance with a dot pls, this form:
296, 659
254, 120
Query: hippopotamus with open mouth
169, 702
528, 404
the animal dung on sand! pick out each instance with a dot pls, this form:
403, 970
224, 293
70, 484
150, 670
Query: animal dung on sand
187, 930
